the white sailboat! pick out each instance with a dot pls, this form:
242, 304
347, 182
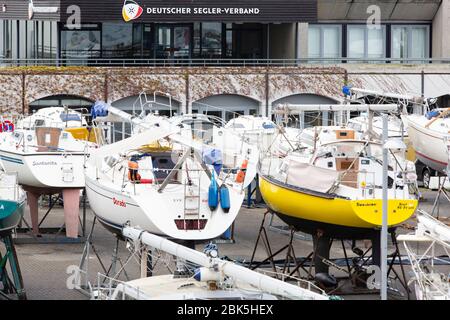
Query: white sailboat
160, 180
214, 279
429, 135
44, 150
47, 150
432, 236
396, 129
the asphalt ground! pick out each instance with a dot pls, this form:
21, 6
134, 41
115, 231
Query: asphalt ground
47, 269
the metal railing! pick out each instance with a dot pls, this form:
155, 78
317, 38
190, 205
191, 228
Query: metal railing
113, 289
9, 186
220, 62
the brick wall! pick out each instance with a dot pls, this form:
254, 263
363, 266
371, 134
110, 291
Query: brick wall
21, 86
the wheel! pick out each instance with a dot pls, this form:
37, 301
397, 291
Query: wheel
426, 176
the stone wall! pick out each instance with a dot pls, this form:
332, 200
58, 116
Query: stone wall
21, 86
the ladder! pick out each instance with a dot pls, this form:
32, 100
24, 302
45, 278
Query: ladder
192, 200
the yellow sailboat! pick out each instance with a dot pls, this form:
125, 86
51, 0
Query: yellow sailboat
337, 189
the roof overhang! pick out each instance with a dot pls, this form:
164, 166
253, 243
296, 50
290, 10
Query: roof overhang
391, 10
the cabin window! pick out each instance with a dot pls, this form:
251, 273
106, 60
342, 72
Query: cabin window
39, 123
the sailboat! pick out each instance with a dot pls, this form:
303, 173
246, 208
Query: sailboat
167, 182
47, 150
396, 128
333, 190
429, 135
344, 198
12, 202
213, 279
430, 280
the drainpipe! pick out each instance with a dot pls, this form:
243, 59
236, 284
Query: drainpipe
23, 94
187, 107
106, 88
423, 84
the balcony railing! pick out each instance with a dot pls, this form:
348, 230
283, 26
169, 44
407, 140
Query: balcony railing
182, 62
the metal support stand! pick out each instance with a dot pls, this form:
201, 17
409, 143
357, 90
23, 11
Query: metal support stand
52, 235
397, 255
286, 230
111, 271
11, 287
289, 248
258, 201
292, 265
441, 192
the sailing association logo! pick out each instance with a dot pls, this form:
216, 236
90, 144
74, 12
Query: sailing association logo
131, 10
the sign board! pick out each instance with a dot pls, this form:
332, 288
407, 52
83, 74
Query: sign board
181, 11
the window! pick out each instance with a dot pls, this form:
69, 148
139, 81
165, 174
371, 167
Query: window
117, 40
229, 40
211, 39
324, 41
365, 43
4, 39
21, 39
208, 40
410, 41
80, 44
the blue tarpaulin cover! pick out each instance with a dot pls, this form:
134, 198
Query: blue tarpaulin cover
213, 157
99, 109
432, 114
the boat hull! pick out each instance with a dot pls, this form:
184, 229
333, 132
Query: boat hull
341, 217
429, 145
46, 170
155, 212
11, 213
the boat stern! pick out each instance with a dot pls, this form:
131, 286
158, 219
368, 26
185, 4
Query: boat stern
10, 214
371, 210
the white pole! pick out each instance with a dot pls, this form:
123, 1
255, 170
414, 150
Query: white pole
258, 280
384, 230
298, 108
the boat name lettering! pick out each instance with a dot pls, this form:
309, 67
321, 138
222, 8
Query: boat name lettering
119, 203
44, 163
403, 205
366, 204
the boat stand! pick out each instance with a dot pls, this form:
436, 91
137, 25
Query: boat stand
442, 192
292, 265
110, 271
254, 198
11, 286
52, 235
289, 248
286, 230
359, 280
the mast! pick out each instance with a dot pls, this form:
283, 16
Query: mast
230, 269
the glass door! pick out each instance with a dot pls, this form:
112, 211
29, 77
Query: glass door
163, 42
173, 42
182, 42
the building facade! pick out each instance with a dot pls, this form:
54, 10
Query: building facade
233, 57
310, 30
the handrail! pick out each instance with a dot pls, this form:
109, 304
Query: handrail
199, 62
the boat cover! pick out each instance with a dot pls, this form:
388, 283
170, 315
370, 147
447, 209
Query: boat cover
306, 176
213, 157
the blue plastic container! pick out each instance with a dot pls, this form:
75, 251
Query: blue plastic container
213, 193
224, 198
